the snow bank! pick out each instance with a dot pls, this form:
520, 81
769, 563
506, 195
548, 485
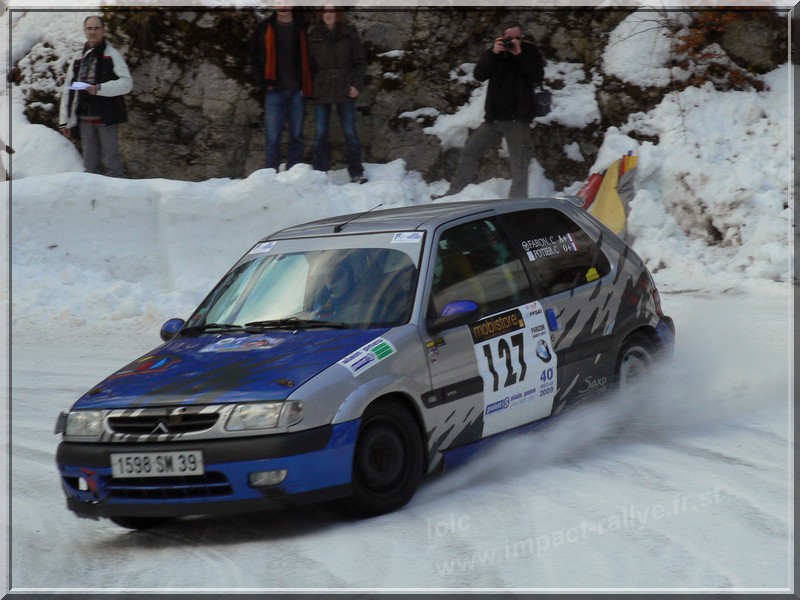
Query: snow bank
87, 247
721, 172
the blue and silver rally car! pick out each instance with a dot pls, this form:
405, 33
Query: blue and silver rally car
348, 357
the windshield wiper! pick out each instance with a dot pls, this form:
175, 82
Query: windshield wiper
212, 327
293, 323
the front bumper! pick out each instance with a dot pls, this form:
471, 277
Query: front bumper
318, 461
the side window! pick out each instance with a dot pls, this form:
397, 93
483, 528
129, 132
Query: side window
560, 255
476, 261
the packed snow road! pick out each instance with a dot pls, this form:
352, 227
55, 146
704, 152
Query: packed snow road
683, 485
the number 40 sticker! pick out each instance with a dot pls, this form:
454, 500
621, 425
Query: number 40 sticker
517, 367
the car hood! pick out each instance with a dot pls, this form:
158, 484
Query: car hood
222, 369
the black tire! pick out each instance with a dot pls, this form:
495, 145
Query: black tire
139, 522
635, 357
388, 460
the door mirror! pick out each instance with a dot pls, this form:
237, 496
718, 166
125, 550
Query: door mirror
171, 328
455, 314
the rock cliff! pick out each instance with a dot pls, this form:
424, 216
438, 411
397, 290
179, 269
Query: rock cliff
196, 114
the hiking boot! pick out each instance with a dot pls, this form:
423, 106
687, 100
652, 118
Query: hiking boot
359, 179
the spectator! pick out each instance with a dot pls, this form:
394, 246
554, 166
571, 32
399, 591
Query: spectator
281, 68
339, 67
513, 67
92, 102
4, 174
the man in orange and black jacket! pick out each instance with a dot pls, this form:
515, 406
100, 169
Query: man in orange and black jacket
281, 68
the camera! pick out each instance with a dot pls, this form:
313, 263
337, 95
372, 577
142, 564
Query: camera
508, 42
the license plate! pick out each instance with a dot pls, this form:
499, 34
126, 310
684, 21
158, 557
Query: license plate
157, 464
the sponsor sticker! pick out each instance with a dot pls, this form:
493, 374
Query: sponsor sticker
263, 248
497, 406
407, 237
433, 349
543, 351
496, 326
242, 344
368, 356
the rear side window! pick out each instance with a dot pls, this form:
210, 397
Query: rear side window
556, 251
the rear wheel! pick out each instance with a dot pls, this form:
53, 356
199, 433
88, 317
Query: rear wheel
635, 357
139, 522
387, 466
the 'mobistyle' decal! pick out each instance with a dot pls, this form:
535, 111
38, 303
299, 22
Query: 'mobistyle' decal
517, 366
368, 356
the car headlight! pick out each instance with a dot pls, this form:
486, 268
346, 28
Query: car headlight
264, 415
84, 423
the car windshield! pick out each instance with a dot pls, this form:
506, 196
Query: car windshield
358, 281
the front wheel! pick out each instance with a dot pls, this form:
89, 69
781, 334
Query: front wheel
635, 357
387, 466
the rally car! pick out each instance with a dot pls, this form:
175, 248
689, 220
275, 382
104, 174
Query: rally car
349, 357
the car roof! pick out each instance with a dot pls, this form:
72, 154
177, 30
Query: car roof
408, 218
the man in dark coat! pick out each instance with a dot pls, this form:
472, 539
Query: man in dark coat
513, 67
339, 69
280, 63
92, 102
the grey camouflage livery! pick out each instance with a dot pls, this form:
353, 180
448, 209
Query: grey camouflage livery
594, 320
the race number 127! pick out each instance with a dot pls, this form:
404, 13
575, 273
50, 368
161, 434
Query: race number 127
512, 355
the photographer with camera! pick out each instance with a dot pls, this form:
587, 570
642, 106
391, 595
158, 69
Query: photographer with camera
513, 67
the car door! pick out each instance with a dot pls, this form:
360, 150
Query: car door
487, 374
572, 277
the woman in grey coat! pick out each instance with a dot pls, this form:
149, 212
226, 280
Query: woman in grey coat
338, 67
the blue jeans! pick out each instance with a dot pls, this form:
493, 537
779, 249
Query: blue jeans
321, 152
280, 107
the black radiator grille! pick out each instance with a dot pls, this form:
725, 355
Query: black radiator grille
147, 424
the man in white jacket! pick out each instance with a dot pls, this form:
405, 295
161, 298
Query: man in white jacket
92, 102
